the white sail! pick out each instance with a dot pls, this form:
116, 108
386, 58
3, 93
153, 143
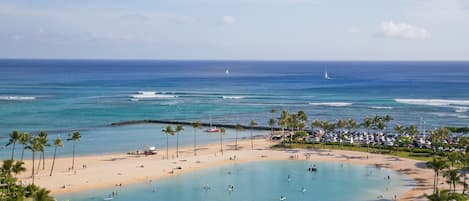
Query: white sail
227, 72
326, 76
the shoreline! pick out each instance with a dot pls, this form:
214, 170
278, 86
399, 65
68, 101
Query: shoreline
106, 171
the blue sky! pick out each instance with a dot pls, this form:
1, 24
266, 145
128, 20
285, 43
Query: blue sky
241, 29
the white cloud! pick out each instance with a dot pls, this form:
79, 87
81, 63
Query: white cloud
227, 19
391, 29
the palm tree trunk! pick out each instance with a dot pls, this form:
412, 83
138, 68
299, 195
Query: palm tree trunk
464, 181
38, 164
177, 145
73, 156
32, 174
195, 143
43, 161
22, 153
252, 143
221, 143
13, 150
236, 141
167, 151
53, 162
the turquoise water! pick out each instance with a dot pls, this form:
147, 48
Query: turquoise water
262, 181
130, 138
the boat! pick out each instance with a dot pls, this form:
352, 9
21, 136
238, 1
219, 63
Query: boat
326, 76
212, 129
227, 72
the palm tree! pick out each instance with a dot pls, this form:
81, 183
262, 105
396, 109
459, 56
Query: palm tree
252, 124
446, 195
367, 123
42, 195
282, 123
14, 137
168, 131
412, 131
222, 132
35, 145
195, 126
43, 137
18, 167
452, 177
24, 140
7, 166
272, 112
272, 124
437, 165
352, 124
302, 118
399, 129
75, 138
179, 128
238, 128
57, 143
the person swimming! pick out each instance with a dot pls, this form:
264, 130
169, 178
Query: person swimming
282, 198
289, 179
206, 187
303, 189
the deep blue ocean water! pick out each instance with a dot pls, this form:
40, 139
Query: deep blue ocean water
87, 95
270, 179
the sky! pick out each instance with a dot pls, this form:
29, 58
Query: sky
235, 29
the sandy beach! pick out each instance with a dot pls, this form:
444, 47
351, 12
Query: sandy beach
101, 171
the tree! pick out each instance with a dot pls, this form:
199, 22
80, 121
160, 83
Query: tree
272, 124
437, 164
75, 138
222, 132
24, 140
352, 124
399, 129
252, 124
302, 118
179, 128
168, 131
446, 195
439, 135
412, 131
42, 195
238, 128
43, 137
367, 123
18, 167
452, 177
35, 145
195, 126
57, 143
14, 137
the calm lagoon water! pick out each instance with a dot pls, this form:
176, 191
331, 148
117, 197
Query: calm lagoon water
262, 181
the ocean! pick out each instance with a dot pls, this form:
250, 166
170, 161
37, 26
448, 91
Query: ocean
61, 96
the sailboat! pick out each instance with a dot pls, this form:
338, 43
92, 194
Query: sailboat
212, 129
227, 72
326, 76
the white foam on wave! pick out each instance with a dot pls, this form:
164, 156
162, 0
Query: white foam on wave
150, 95
434, 102
331, 104
459, 116
233, 97
382, 107
461, 109
17, 98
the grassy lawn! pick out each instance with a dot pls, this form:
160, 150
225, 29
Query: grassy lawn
403, 154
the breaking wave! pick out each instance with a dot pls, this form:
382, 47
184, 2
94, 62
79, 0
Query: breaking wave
17, 98
331, 104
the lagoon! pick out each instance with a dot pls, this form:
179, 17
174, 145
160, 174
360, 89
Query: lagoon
260, 181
